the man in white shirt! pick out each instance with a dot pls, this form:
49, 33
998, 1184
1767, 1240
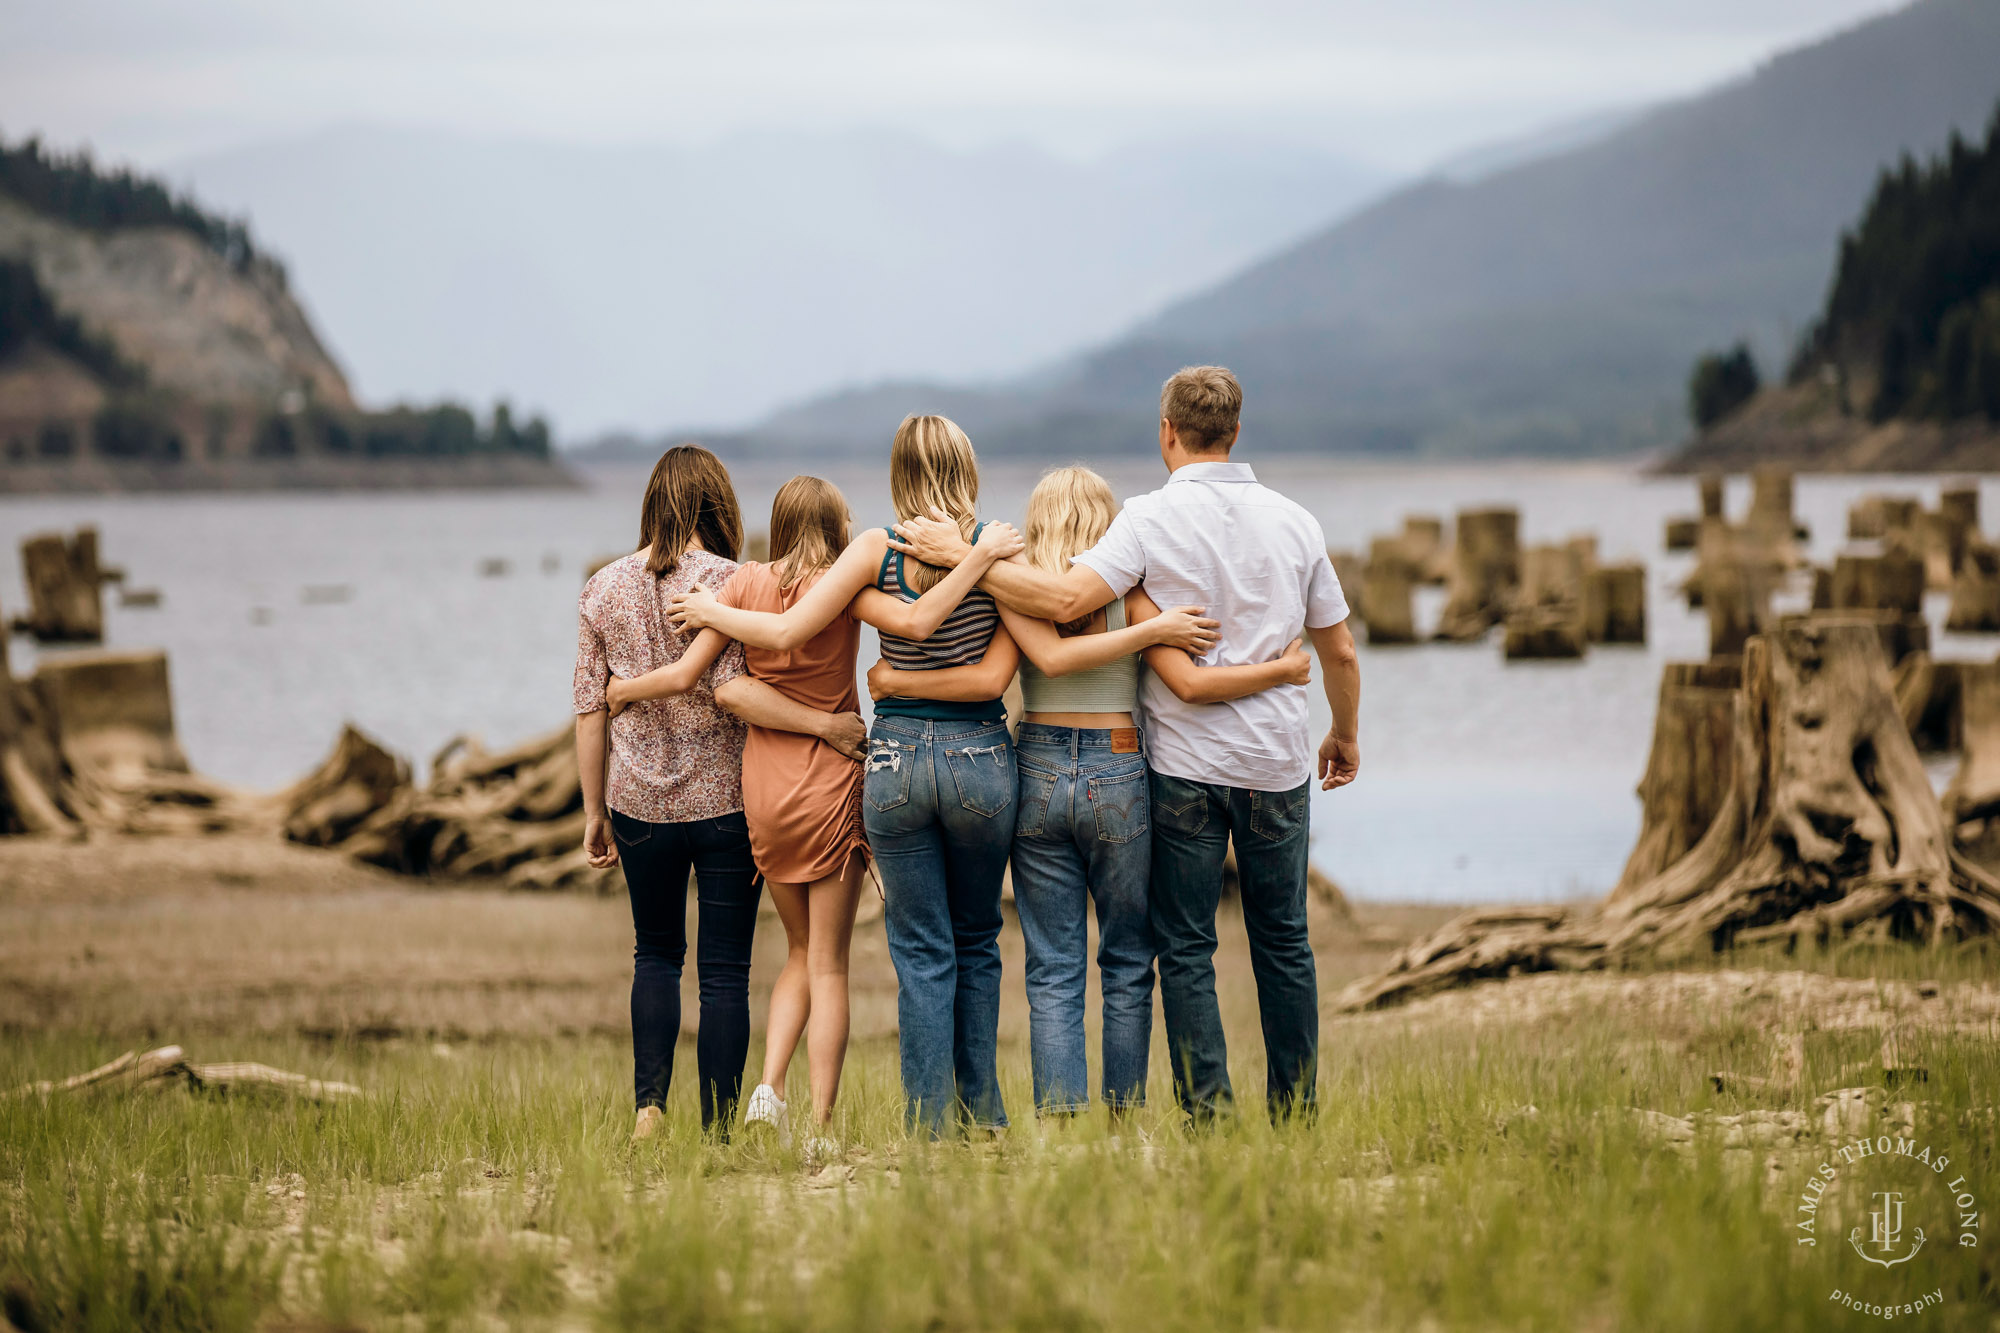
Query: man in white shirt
1213, 536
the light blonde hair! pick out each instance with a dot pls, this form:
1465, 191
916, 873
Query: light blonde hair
809, 520
1203, 404
1068, 511
932, 466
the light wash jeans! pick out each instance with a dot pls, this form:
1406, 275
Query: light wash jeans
940, 815
1082, 836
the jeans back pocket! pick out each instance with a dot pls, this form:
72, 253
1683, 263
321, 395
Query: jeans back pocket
1123, 806
1278, 815
984, 775
887, 782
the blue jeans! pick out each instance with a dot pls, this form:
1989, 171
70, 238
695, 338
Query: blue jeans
940, 815
1083, 834
1193, 825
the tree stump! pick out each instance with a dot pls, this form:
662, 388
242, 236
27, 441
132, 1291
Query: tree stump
1771, 512
1962, 504
1828, 829
1690, 767
1941, 540
1711, 486
1385, 592
1542, 631
1975, 592
1614, 600
1486, 569
1875, 517
1737, 598
1974, 792
1683, 533
65, 588
1878, 581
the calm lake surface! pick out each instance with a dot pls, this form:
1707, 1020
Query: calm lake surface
1480, 780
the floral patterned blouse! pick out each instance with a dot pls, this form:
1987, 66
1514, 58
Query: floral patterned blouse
672, 760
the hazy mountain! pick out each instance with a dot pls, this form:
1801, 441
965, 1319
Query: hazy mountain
1553, 306
655, 285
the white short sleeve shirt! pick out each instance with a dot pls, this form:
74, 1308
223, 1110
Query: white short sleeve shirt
1212, 536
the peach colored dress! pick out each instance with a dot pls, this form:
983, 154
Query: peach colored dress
801, 796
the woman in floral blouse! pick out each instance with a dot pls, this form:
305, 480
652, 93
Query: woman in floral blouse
663, 781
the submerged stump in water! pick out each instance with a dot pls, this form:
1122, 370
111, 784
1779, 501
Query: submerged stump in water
1486, 570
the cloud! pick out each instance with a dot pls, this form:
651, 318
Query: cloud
1399, 83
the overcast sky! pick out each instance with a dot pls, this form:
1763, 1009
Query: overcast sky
1400, 83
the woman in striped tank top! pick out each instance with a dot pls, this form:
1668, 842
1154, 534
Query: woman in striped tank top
1082, 829
939, 789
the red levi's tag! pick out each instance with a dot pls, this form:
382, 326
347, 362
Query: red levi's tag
1124, 740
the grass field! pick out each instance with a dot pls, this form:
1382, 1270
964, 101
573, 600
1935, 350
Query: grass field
1477, 1161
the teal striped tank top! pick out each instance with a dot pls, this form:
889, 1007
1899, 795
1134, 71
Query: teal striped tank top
960, 641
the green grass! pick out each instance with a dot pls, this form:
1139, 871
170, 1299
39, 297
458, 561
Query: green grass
1458, 1176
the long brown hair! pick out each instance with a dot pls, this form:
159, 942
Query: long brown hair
808, 528
689, 496
932, 466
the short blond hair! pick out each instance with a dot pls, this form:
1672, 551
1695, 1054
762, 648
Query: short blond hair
932, 467
1070, 509
1202, 404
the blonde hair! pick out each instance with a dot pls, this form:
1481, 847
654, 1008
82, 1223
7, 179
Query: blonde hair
808, 528
1202, 403
1068, 511
932, 467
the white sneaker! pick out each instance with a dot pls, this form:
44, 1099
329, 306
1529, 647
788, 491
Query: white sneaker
766, 1107
820, 1150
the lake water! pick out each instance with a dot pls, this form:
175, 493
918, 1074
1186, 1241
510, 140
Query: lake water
1480, 780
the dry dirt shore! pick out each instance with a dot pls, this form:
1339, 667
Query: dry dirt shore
175, 937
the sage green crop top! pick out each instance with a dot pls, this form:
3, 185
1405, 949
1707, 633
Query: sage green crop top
1111, 688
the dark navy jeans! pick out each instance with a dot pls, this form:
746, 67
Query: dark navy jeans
940, 816
656, 859
1193, 825
1083, 836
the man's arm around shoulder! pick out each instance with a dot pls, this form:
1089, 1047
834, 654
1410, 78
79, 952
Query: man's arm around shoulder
1071, 595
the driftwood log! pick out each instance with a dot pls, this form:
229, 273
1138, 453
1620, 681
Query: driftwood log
168, 1067
1828, 829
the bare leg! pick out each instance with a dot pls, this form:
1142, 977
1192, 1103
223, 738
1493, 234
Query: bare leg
833, 903
791, 996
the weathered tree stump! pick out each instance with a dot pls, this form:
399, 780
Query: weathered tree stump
1771, 513
1486, 569
1737, 598
1974, 793
1829, 829
1975, 591
65, 588
1690, 768
1391, 615
1875, 517
1941, 540
1614, 602
1878, 581
1543, 631
1711, 489
1425, 550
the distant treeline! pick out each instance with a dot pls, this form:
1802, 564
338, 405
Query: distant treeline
76, 190
1916, 295
27, 313
150, 427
